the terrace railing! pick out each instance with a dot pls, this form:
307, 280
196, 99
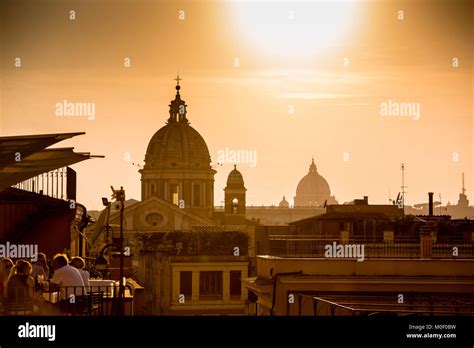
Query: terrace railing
71, 301
56, 183
353, 306
309, 246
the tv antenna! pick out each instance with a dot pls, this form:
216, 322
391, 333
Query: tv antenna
440, 203
463, 189
403, 187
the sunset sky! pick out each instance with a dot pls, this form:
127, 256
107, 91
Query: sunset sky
290, 80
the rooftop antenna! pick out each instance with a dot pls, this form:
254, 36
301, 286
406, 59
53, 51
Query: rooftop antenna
440, 203
463, 189
403, 187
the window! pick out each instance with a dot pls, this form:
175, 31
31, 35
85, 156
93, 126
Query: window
186, 284
154, 219
210, 285
174, 192
235, 285
196, 195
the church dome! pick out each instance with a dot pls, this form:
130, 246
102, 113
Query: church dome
235, 179
284, 203
313, 189
177, 164
177, 144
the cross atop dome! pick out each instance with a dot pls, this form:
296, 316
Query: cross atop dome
178, 106
178, 87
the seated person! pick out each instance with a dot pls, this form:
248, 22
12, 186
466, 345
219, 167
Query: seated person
19, 289
66, 278
6, 264
79, 263
40, 267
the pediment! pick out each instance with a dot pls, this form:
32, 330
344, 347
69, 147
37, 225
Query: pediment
156, 215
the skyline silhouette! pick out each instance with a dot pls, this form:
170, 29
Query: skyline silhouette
384, 91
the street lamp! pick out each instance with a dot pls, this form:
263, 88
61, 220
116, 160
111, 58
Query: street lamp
119, 195
106, 204
101, 262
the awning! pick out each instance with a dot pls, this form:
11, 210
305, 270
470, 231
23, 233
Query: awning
26, 156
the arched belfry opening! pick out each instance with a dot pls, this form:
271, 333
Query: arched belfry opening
235, 205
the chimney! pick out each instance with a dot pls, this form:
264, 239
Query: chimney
430, 203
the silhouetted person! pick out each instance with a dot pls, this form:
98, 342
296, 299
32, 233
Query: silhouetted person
66, 278
79, 263
20, 288
6, 264
40, 267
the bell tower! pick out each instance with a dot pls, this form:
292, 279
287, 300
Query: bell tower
235, 194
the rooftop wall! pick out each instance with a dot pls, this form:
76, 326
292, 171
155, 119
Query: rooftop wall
380, 267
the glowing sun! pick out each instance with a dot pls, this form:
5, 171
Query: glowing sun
294, 28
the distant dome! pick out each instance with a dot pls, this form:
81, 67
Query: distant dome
284, 203
313, 189
235, 179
